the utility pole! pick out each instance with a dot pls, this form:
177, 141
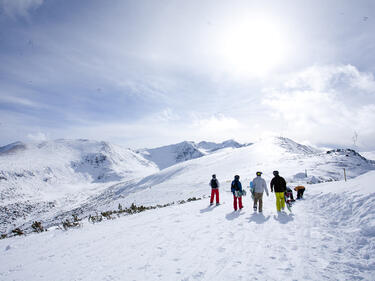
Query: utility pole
344, 174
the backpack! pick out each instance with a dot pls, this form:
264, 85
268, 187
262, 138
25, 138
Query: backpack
214, 183
235, 185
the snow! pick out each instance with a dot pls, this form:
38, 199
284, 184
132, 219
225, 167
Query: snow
320, 240
330, 235
126, 177
369, 154
169, 155
43, 180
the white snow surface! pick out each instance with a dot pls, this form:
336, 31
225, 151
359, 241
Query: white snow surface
369, 154
330, 235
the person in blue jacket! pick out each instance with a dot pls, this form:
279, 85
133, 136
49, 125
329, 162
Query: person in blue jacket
236, 189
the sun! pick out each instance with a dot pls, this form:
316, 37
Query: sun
253, 47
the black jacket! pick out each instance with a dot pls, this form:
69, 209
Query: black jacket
278, 183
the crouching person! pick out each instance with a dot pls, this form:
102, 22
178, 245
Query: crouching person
300, 190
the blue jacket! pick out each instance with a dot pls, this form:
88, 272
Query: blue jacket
238, 184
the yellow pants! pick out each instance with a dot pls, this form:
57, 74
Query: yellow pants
280, 202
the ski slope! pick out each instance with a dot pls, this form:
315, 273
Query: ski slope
329, 236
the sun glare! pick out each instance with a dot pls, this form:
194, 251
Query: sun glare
253, 47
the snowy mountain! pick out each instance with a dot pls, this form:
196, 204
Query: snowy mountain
170, 155
60, 175
61, 178
369, 155
211, 146
12, 148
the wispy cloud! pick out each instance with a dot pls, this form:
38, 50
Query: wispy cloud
19, 8
37, 137
20, 101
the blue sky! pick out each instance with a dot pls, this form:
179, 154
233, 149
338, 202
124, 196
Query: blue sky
148, 73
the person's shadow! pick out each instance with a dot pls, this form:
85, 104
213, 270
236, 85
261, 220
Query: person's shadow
233, 215
258, 218
283, 218
207, 209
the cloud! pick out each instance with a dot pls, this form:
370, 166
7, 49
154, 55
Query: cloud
168, 114
326, 78
19, 8
20, 101
37, 137
215, 127
325, 105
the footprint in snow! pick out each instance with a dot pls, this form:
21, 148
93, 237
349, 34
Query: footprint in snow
221, 249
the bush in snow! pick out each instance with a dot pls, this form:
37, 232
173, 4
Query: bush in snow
17, 231
3, 236
68, 224
96, 218
37, 226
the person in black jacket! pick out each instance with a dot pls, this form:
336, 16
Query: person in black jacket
214, 183
236, 189
279, 185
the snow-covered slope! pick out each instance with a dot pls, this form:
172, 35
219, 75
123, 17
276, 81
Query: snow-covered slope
329, 236
12, 148
369, 155
189, 179
61, 174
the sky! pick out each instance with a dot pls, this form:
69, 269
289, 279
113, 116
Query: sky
150, 73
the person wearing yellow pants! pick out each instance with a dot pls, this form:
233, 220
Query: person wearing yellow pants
280, 202
279, 185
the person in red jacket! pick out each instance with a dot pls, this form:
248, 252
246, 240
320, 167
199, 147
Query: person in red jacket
214, 183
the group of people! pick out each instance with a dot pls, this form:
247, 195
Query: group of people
258, 186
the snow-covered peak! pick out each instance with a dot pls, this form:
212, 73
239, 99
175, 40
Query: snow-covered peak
294, 147
12, 148
212, 146
170, 155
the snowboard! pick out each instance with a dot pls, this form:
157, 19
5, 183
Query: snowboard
288, 204
252, 190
